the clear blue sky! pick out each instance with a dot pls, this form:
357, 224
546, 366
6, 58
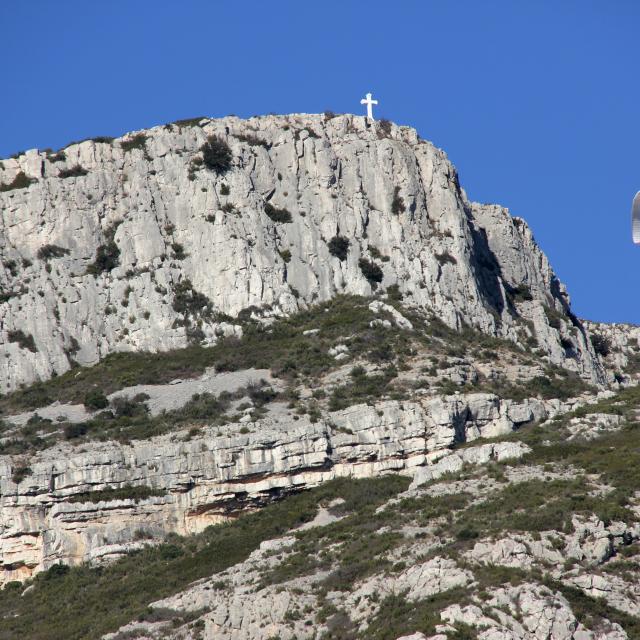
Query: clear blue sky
536, 103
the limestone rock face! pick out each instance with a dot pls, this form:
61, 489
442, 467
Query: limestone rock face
147, 203
212, 477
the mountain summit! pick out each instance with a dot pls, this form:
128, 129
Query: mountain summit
163, 237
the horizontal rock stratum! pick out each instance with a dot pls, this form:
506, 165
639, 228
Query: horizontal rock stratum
254, 237
210, 478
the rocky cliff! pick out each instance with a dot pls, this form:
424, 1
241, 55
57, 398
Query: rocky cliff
106, 244
348, 403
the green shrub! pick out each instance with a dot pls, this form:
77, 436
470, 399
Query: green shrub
397, 204
384, 128
75, 430
139, 141
95, 399
19, 182
277, 215
49, 251
601, 345
285, 254
445, 258
375, 253
73, 172
24, 340
370, 270
130, 407
178, 251
20, 472
108, 254
188, 301
339, 247
252, 140
216, 155
224, 190
126, 492
520, 293
188, 122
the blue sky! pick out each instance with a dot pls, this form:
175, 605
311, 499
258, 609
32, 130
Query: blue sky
536, 103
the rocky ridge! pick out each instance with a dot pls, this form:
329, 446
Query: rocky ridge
105, 243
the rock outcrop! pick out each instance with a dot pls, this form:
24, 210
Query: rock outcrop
176, 251
44, 518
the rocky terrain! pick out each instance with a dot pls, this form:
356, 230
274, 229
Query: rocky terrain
105, 243
279, 378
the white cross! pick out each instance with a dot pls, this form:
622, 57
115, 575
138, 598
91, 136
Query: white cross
369, 102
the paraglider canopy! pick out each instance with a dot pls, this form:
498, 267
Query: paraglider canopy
635, 219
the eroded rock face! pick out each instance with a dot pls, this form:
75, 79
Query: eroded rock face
213, 476
394, 197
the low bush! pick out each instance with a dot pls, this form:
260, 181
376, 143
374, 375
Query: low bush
601, 345
178, 251
363, 388
252, 140
139, 141
189, 302
49, 251
216, 155
19, 182
125, 492
384, 128
371, 271
277, 215
24, 340
95, 399
397, 204
108, 254
125, 407
20, 472
73, 172
445, 258
339, 247
520, 293
188, 122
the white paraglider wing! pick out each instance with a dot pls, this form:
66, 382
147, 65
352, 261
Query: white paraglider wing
635, 219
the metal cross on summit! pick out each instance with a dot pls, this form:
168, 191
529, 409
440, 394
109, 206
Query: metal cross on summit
369, 102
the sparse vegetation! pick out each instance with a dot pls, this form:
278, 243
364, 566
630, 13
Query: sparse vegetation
125, 492
188, 122
49, 251
21, 181
64, 601
73, 172
20, 472
445, 258
138, 141
384, 128
24, 340
108, 254
252, 140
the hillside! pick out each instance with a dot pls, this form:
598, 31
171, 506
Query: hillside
278, 378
